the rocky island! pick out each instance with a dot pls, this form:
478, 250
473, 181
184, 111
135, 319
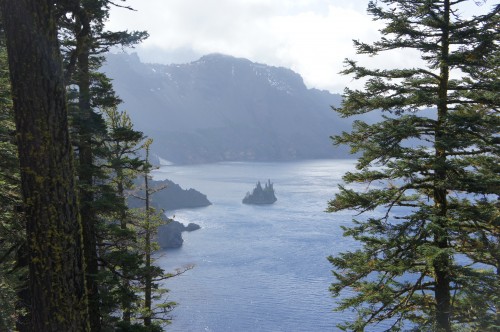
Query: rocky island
261, 195
172, 197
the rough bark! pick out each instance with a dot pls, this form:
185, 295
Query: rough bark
442, 263
85, 172
54, 231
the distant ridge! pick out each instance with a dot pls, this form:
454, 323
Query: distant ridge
222, 108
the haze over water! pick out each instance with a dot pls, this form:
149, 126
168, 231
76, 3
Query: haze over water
258, 268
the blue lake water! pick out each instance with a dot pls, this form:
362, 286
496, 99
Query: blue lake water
257, 268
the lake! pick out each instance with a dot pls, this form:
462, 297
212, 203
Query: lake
257, 268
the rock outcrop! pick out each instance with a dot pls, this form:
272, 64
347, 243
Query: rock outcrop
261, 195
172, 197
170, 235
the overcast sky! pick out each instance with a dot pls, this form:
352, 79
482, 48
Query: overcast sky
312, 37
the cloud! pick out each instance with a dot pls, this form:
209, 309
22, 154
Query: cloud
312, 37
315, 44
181, 23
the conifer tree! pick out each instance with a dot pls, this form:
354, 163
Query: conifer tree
13, 265
430, 173
121, 254
147, 221
84, 39
81, 31
53, 229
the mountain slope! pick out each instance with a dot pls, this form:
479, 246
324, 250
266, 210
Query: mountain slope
224, 108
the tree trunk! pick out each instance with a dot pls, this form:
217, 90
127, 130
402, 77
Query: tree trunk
86, 174
126, 304
23, 304
442, 264
54, 231
148, 280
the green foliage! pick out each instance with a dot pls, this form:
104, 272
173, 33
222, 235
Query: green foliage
129, 281
154, 307
150, 276
106, 145
12, 236
430, 251
84, 32
111, 263
122, 263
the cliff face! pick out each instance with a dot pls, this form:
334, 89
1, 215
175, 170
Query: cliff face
223, 108
173, 197
170, 235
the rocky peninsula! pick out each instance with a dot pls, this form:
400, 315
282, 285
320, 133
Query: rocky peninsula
171, 198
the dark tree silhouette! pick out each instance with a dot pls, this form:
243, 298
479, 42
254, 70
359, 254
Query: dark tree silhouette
54, 231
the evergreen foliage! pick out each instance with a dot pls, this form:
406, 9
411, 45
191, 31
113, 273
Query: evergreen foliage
153, 306
105, 146
83, 39
429, 256
57, 292
12, 236
121, 260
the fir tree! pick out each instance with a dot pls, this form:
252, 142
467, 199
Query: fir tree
120, 254
84, 39
53, 229
432, 175
147, 221
13, 263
